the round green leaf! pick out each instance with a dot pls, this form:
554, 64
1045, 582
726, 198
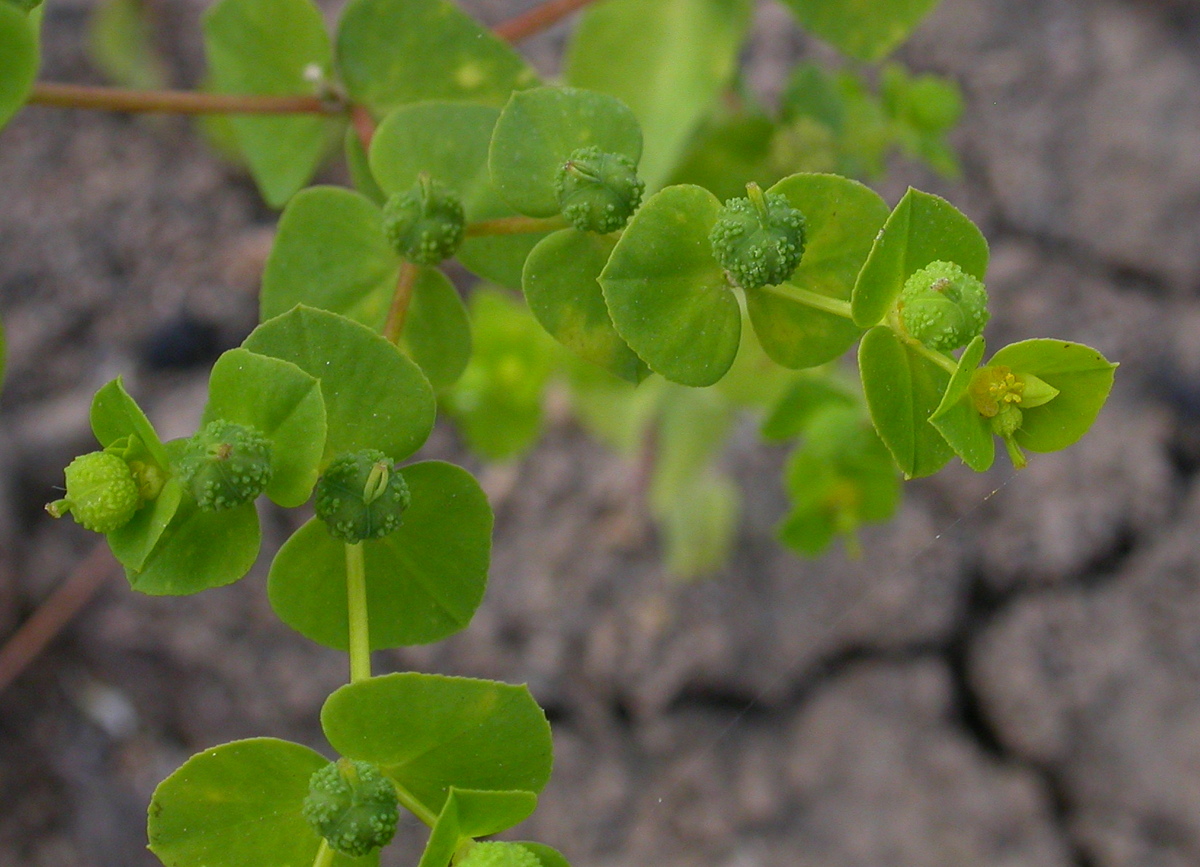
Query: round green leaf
437, 331
285, 404
865, 31
843, 217
538, 131
424, 581
268, 47
198, 550
449, 141
330, 252
1083, 378
903, 389
429, 732
239, 805
115, 415
563, 292
133, 543
922, 229
19, 58
967, 432
392, 52
375, 398
668, 297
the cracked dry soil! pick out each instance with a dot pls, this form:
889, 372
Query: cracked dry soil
1011, 676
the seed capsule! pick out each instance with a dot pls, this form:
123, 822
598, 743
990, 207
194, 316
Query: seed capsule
943, 307
102, 493
226, 465
361, 496
758, 240
598, 191
353, 806
426, 224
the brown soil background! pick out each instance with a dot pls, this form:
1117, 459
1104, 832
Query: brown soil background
1009, 677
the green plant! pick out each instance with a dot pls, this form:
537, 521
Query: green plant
457, 150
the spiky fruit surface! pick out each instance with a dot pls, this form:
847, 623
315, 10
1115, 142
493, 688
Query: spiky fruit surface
498, 854
943, 306
759, 240
426, 224
225, 465
598, 191
353, 806
102, 493
361, 496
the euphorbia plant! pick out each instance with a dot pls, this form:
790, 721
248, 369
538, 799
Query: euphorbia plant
457, 151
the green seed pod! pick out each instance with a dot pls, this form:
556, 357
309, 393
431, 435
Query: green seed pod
496, 854
758, 240
426, 224
943, 307
598, 191
361, 496
102, 493
353, 806
225, 465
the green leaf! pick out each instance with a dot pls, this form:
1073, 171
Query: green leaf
330, 252
843, 217
449, 141
429, 732
666, 60
498, 400
267, 48
200, 815
806, 396
121, 44
198, 550
392, 52
424, 581
922, 229
283, 403
115, 415
903, 388
547, 856
563, 292
133, 543
357, 161
967, 432
538, 131
668, 297
375, 398
470, 813
19, 58
1083, 378
437, 330
864, 29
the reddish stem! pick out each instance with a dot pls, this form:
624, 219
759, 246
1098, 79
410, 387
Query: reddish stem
175, 101
364, 125
537, 19
401, 299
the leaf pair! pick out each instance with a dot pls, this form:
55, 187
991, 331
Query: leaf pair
473, 753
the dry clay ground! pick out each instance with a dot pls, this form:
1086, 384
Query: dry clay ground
1009, 677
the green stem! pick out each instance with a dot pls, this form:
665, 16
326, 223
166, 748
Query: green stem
175, 101
401, 300
516, 226
945, 362
324, 855
410, 803
356, 596
817, 301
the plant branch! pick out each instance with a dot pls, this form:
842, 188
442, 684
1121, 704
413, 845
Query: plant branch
815, 300
537, 19
52, 615
515, 226
325, 855
409, 801
356, 598
945, 362
364, 125
401, 300
176, 101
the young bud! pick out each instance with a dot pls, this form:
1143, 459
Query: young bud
353, 806
497, 854
361, 496
102, 493
226, 465
598, 191
426, 224
943, 307
758, 240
